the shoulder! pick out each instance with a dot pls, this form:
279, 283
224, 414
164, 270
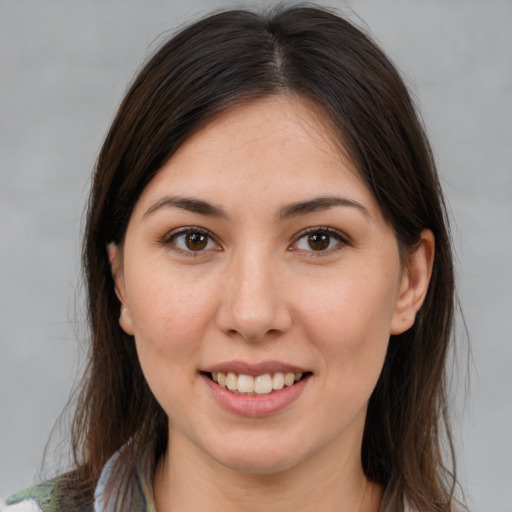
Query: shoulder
44, 497
22, 506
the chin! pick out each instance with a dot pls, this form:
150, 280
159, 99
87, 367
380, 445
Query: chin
259, 464
258, 458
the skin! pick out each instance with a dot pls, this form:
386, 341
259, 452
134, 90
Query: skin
256, 292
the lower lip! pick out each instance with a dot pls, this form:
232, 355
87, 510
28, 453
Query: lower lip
256, 405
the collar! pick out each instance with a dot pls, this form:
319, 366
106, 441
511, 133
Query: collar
132, 492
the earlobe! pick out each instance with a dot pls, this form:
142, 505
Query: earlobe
116, 267
414, 283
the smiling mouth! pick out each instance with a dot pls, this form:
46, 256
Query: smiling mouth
242, 384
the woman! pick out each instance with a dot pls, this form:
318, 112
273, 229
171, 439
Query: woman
270, 283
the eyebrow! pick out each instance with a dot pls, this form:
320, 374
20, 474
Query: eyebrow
289, 211
318, 204
186, 203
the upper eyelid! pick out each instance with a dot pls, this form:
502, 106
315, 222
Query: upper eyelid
168, 237
325, 229
304, 232
188, 229
343, 240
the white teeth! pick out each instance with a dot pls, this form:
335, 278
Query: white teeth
231, 381
289, 379
246, 384
261, 385
278, 381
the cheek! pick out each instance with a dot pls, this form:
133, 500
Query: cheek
349, 327
170, 312
349, 321
170, 315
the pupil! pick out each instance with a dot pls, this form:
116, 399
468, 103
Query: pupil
196, 241
318, 241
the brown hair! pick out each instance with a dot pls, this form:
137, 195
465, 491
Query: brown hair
234, 57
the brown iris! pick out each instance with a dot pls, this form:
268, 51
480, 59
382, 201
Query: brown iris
319, 241
196, 241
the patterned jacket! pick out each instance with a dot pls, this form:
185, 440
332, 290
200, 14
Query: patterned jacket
47, 497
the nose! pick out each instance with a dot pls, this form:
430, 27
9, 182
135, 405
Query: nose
254, 305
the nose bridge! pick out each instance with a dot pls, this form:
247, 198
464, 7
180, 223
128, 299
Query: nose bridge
254, 302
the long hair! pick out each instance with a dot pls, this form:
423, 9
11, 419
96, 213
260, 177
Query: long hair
231, 58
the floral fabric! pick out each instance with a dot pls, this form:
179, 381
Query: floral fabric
138, 491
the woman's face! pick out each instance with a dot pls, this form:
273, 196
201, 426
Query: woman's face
257, 259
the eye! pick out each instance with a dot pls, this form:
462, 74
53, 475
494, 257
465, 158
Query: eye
319, 240
191, 240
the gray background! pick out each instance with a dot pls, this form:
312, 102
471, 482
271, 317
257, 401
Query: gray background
64, 66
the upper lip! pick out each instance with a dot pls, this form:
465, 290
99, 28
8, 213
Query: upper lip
254, 369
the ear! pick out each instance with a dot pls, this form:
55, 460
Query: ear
414, 283
115, 257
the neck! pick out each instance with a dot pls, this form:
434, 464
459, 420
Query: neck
190, 481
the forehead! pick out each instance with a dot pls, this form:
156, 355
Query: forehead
279, 149
279, 121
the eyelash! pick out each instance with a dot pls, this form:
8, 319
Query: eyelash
170, 240
341, 240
